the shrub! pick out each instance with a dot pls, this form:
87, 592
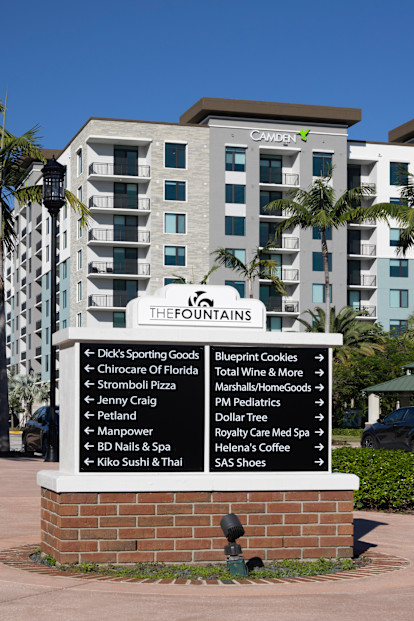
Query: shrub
386, 477
338, 431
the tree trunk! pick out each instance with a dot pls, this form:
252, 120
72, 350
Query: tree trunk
250, 286
325, 263
4, 394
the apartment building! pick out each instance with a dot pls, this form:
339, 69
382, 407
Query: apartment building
163, 196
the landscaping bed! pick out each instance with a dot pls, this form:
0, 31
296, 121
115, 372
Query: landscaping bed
157, 571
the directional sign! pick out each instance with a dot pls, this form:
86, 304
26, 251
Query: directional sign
141, 408
269, 409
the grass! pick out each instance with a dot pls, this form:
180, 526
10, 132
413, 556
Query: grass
276, 569
347, 435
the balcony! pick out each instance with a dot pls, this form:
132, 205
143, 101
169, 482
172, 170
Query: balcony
38, 246
38, 219
24, 306
285, 275
117, 300
369, 186
286, 243
120, 202
38, 299
281, 305
121, 169
38, 272
127, 267
38, 325
24, 232
23, 356
38, 352
23, 331
8, 339
119, 234
283, 179
23, 259
362, 280
363, 250
23, 283
8, 316
8, 271
369, 311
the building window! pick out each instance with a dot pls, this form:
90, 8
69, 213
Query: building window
235, 225
118, 319
79, 320
316, 232
30, 290
175, 155
47, 225
64, 299
237, 284
174, 223
79, 228
29, 316
236, 159
274, 324
322, 164
47, 364
65, 239
239, 253
318, 293
170, 281
398, 173
79, 259
79, 161
398, 298
398, 201
64, 268
80, 194
47, 336
174, 255
235, 193
30, 342
47, 308
64, 324
399, 268
47, 254
317, 262
47, 279
79, 292
395, 237
65, 211
175, 191
398, 326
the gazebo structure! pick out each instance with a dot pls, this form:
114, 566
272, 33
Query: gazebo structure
403, 386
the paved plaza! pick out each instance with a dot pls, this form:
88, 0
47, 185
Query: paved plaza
31, 596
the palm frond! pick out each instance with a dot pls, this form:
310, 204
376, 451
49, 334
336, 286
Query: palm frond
80, 208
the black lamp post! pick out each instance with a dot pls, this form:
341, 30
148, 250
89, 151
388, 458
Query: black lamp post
53, 200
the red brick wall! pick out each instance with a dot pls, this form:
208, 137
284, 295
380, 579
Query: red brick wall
185, 526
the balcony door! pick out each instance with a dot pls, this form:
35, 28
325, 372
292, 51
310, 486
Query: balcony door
271, 169
125, 260
354, 299
125, 195
354, 242
354, 272
270, 298
124, 291
125, 228
126, 161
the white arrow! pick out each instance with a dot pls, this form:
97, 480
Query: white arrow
319, 446
88, 461
88, 430
88, 446
88, 352
88, 383
88, 414
319, 387
319, 461
319, 416
319, 402
88, 399
318, 372
320, 357
319, 431
88, 368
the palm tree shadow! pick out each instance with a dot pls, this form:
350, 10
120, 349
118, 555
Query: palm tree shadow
362, 527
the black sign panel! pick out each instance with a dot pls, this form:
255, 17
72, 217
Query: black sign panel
269, 409
141, 408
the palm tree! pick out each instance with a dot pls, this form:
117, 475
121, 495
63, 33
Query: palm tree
318, 208
15, 153
258, 267
358, 335
28, 388
182, 280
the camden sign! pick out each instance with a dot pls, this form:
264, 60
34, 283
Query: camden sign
258, 135
195, 305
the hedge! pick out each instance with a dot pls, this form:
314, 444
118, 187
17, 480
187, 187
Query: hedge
386, 477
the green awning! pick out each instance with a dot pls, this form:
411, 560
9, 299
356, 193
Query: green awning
405, 383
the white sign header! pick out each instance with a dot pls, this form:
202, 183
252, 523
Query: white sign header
257, 135
196, 305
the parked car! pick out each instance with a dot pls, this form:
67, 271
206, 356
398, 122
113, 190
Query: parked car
395, 431
35, 432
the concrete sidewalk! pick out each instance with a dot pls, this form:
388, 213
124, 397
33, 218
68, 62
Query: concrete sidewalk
25, 595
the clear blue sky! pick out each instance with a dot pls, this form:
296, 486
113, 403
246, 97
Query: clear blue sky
152, 59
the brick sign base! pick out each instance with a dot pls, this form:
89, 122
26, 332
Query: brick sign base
175, 527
